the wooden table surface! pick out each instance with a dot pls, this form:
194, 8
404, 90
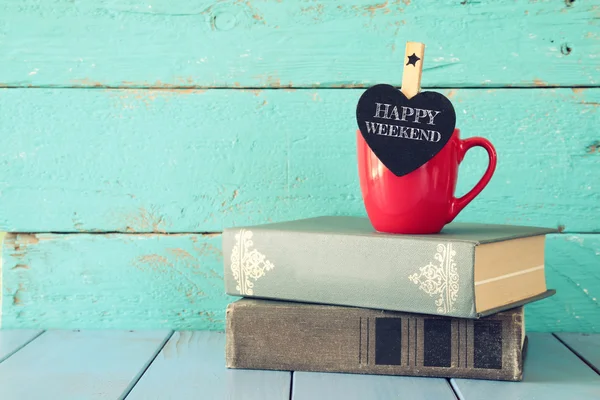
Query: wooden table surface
113, 364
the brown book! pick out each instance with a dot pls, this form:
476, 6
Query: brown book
279, 335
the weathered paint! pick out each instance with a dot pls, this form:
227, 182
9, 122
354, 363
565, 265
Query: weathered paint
573, 269
179, 158
189, 161
127, 281
263, 43
113, 281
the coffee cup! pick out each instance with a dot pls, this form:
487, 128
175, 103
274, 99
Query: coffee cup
422, 201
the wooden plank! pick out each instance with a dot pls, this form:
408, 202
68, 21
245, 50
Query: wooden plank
2, 236
192, 365
122, 281
126, 281
12, 341
79, 365
279, 44
193, 161
551, 371
585, 345
572, 263
325, 386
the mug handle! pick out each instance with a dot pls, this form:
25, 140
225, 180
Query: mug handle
457, 205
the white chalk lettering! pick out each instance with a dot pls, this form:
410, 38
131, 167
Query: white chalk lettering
394, 114
420, 114
383, 129
435, 136
378, 110
432, 116
404, 131
371, 126
400, 131
406, 113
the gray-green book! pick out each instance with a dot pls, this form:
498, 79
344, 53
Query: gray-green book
278, 335
467, 270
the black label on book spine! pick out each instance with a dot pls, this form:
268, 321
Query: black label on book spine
437, 342
487, 352
388, 341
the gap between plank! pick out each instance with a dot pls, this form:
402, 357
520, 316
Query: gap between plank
292, 377
577, 354
292, 88
21, 347
143, 370
180, 233
452, 389
452, 384
107, 233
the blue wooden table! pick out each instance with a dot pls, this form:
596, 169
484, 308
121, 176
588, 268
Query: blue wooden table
112, 364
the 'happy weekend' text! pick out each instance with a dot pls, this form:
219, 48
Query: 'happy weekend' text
407, 114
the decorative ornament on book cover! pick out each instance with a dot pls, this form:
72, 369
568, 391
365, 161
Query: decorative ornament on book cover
409, 151
247, 263
440, 279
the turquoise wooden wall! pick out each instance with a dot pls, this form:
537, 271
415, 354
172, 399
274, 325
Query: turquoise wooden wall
132, 132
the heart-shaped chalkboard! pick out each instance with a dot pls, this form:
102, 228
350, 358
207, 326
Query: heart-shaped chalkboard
404, 133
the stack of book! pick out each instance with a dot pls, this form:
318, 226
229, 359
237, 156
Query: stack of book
330, 294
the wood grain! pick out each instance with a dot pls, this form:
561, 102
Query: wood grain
198, 161
263, 43
585, 345
572, 268
412, 73
79, 365
325, 386
551, 371
107, 364
156, 281
123, 281
192, 365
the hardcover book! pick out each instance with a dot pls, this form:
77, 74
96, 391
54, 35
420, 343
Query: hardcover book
289, 336
466, 271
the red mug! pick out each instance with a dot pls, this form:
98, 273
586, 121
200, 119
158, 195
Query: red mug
422, 201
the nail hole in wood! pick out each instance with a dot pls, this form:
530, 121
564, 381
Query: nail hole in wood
569, 3
565, 49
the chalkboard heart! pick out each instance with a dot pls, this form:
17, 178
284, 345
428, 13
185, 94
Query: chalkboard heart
404, 133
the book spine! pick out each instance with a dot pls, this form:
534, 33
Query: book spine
399, 274
274, 335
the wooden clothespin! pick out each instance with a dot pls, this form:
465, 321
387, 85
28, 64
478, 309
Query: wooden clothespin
413, 68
